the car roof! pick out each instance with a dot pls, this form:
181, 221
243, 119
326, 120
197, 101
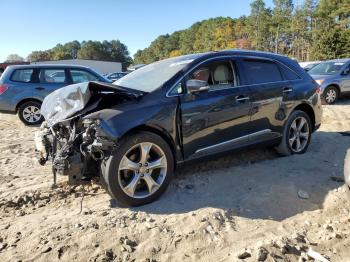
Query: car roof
243, 52
47, 66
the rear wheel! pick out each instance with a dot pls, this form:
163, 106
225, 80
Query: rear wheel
330, 95
296, 134
29, 113
141, 169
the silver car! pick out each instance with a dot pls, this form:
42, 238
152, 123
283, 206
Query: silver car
333, 77
24, 87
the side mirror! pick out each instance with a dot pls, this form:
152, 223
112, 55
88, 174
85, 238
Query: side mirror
346, 71
196, 86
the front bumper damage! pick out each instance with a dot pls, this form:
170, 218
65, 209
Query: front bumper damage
77, 155
75, 144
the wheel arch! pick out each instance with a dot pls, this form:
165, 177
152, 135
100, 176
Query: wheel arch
25, 101
158, 131
309, 111
334, 85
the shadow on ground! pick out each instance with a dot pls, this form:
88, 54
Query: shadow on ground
258, 184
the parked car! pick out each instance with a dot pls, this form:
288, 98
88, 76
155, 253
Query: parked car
307, 66
24, 87
333, 77
116, 76
310, 66
132, 135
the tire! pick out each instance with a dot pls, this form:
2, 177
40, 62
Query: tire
119, 174
330, 95
287, 146
29, 113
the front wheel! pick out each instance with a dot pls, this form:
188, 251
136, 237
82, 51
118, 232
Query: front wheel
296, 134
140, 170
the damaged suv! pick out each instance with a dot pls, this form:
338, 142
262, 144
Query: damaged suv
131, 135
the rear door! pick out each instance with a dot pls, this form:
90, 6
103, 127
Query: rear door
50, 79
269, 89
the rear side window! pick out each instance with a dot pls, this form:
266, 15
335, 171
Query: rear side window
260, 72
289, 74
52, 76
79, 76
22, 75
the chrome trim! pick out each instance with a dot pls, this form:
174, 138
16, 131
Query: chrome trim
288, 90
235, 56
242, 99
262, 132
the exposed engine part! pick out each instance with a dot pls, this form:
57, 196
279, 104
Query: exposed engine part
42, 143
75, 149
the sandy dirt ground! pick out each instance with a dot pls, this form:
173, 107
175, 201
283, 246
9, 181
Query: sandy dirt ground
241, 207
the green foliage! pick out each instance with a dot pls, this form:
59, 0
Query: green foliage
332, 30
212, 34
12, 58
313, 30
112, 50
36, 56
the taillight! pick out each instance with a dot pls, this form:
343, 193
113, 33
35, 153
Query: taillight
3, 89
318, 90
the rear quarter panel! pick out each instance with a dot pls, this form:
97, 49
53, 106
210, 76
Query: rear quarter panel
15, 93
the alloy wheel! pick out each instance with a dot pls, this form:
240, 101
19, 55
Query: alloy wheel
142, 170
331, 96
299, 134
31, 114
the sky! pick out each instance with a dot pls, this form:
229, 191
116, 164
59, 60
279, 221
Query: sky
30, 25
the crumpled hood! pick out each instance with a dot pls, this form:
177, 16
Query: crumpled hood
67, 101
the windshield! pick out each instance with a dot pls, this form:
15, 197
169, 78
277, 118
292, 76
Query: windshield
326, 68
153, 76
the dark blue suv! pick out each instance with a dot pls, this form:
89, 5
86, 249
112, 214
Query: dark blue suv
131, 135
24, 87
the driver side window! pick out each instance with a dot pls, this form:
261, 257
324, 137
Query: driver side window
219, 75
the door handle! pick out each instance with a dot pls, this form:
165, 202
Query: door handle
39, 88
241, 98
287, 90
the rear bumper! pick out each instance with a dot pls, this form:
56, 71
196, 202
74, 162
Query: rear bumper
6, 106
318, 111
317, 127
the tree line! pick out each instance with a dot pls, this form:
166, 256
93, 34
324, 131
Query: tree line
314, 30
113, 50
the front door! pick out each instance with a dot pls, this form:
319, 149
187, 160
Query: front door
217, 119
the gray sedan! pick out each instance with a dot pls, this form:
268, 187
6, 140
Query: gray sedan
333, 77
